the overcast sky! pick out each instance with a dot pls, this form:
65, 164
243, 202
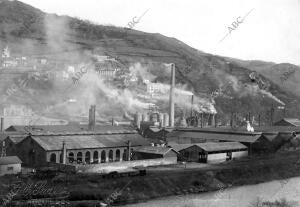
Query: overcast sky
271, 32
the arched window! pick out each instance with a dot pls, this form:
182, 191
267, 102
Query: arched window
118, 154
71, 157
87, 157
53, 157
103, 156
111, 156
95, 157
125, 155
79, 157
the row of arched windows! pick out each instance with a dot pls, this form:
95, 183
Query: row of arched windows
104, 157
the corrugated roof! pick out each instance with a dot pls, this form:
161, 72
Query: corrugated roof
89, 141
215, 135
211, 146
69, 129
153, 150
9, 160
220, 146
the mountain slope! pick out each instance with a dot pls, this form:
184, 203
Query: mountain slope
30, 32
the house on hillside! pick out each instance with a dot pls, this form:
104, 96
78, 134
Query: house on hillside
10, 165
293, 122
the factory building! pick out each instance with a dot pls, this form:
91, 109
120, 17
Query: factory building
10, 141
149, 152
38, 149
211, 152
257, 142
156, 134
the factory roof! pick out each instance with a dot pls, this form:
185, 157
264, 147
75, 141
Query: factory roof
220, 146
257, 129
54, 142
153, 150
179, 147
249, 137
15, 137
9, 160
211, 146
70, 129
289, 121
270, 136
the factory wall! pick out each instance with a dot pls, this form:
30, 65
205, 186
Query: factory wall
239, 154
214, 158
196, 154
115, 166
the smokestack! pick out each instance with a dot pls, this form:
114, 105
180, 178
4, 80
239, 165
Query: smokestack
2, 124
192, 104
216, 121
64, 153
92, 117
137, 120
171, 101
166, 119
201, 120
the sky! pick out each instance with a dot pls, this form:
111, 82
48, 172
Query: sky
270, 31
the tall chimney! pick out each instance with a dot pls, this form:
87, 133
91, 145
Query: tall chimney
2, 124
172, 91
64, 153
92, 117
192, 104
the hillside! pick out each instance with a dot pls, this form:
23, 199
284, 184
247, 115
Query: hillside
285, 75
65, 41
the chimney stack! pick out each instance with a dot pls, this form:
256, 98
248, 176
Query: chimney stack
172, 92
92, 117
192, 104
64, 153
2, 124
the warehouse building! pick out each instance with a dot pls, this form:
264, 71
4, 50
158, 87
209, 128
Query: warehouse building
257, 142
10, 165
38, 149
211, 152
10, 141
150, 152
